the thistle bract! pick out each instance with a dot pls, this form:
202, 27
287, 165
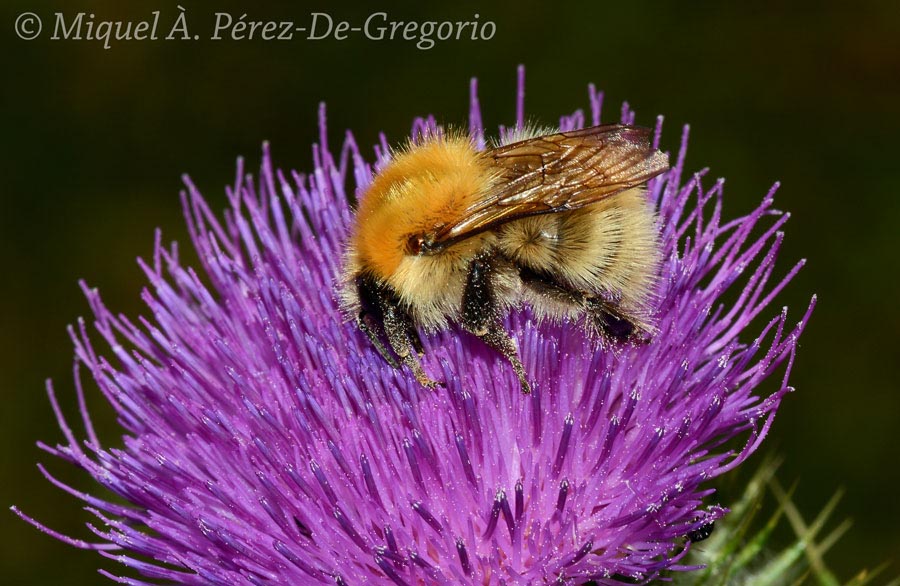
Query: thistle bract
266, 442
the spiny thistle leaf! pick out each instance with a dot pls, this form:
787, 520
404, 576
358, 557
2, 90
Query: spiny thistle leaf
736, 554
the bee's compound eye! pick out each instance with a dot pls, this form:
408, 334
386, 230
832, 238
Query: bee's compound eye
415, 244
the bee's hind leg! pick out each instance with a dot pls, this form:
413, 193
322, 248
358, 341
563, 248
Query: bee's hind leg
605, 315
610, 320
395, 324
482, 314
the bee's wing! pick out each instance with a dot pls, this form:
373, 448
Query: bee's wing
559, 172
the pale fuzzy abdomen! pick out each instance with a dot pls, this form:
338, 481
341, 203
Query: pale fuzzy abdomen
609, 248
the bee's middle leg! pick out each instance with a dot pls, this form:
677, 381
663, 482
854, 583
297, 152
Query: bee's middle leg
481, 312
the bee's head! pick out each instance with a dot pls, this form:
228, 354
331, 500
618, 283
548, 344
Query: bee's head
421, 191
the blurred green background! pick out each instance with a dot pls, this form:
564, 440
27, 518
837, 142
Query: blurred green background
94, 142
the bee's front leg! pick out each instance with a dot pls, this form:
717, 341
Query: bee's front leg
369, 319
373, 330
381, 314
481, 313
404, 340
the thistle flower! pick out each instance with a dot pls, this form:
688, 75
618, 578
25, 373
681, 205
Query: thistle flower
266, 442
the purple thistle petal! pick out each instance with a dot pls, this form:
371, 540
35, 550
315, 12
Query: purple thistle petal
266, 442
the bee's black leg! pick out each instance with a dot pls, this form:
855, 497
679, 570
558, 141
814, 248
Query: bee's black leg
609, 319
398, 325
413, 333
481, 313
606, 315
381, 314
370, 318
371, 328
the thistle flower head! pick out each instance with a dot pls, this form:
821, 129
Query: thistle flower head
266, 442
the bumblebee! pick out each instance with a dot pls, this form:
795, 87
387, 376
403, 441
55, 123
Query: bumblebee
449, 234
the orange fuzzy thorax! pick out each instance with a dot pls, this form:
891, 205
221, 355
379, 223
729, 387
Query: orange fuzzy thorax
423, 188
